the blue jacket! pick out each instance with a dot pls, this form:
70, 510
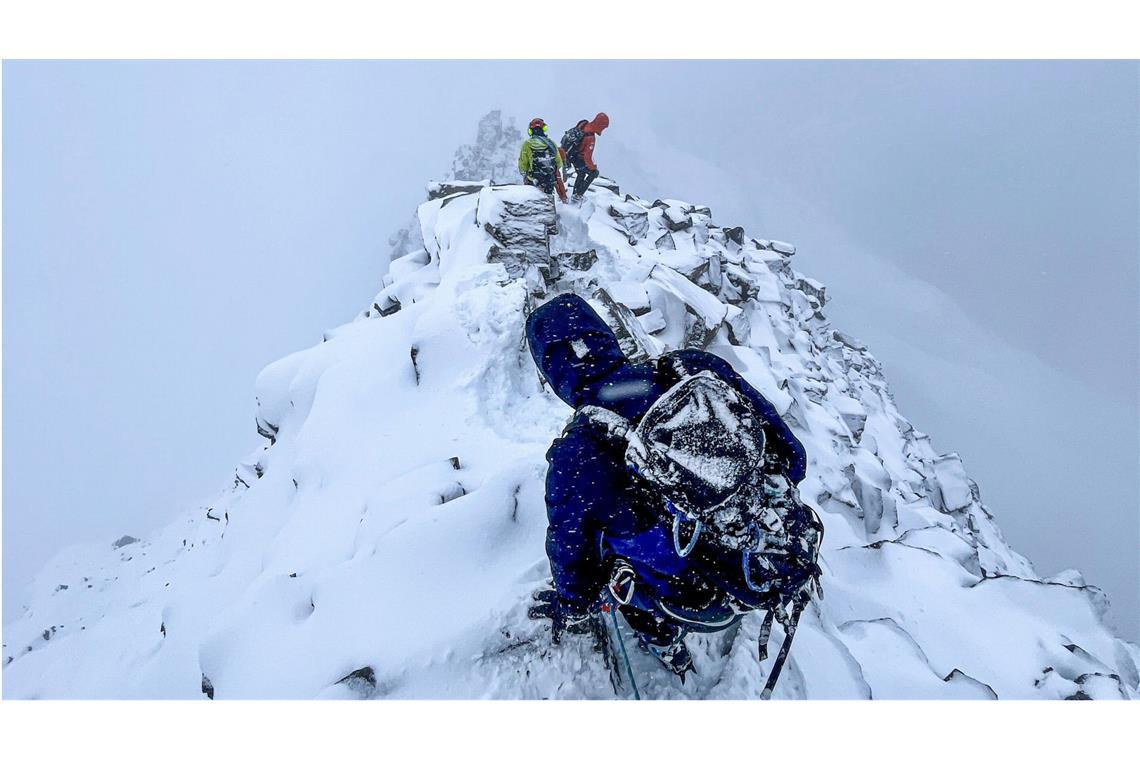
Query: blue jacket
596, 507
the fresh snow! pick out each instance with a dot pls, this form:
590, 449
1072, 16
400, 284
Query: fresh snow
387, 538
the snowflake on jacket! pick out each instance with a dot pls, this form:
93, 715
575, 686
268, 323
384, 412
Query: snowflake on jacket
596, 507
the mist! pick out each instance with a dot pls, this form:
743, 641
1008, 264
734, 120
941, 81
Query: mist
170, 228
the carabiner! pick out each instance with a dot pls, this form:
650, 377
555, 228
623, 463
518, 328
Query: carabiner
677, 537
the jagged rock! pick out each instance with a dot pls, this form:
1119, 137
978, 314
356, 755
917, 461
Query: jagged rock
631, 335
445, 189
953, 487
813, 290
207, 687
653, 321
633, 219
739, 326
697, 335
676, 219
247, 473
521, 226
605, 183
362, 681
734, 234
707, 307
781, 247
713, 275
850, 342
665, 243
631, 294
266, 429
853, 414
579, 261
494, 154
387, 306
124, 541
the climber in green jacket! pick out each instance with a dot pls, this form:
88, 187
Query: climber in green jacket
540, 162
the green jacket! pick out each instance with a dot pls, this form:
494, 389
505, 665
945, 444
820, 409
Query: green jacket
530, 145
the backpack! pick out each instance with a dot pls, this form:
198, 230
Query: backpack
542, 160
572, 139
700, 447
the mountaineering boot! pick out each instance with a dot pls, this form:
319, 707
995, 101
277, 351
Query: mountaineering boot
673, 656
662, 638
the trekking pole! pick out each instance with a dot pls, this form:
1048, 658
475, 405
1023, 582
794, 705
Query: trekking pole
624, 655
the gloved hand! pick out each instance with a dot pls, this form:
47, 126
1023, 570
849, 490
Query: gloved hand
548, 604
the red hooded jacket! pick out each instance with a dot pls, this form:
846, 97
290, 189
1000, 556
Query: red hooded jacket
592, 128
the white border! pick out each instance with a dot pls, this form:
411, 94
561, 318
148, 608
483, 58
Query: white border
576, 29
481, 28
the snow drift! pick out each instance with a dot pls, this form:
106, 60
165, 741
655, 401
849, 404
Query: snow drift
387, 538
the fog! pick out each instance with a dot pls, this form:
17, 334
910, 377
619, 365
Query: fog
170, 228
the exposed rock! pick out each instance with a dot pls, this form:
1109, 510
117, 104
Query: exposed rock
444, 189
266, 429
676, 219
631, 335
521, 230
735, 234
653, 321
633, 219
579, 261
494, 154
362, 681
954, 491
124, 541
813, 290
387, 305
451, 492
631, 294
605, 183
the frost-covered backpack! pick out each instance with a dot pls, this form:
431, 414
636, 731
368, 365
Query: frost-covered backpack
572, 139
700, 446
543, 162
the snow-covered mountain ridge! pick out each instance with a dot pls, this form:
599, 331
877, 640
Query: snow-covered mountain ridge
386, 539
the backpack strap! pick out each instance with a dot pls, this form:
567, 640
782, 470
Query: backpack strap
612, 423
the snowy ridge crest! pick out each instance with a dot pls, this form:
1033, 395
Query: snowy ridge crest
386, 539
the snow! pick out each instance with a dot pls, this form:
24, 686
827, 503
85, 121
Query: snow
387, 537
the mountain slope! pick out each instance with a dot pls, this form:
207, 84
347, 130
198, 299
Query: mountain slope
387, 538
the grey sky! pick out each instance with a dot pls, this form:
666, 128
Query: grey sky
170, 228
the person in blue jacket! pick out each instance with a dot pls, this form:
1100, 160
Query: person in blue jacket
605, 525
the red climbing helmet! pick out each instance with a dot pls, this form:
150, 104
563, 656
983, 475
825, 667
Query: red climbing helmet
537, 125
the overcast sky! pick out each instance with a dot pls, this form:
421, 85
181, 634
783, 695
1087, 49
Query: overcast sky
170, 228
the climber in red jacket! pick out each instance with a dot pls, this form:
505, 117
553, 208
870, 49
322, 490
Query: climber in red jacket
578, 146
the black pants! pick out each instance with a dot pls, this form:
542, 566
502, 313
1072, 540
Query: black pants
584, 178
